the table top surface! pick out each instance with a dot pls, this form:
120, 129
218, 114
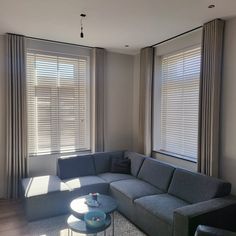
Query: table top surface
79, 207
79, 226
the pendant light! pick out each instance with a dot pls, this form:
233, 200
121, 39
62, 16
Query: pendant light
81, 25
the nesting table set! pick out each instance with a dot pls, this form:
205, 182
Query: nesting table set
79, 208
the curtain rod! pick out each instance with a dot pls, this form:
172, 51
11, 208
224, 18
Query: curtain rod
54, 41
166, 40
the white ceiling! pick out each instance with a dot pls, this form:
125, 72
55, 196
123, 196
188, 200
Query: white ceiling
109, 23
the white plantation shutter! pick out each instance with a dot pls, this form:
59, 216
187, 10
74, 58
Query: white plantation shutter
58, 95
180, 76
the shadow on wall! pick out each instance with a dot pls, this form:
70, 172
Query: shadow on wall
228, 171
188, 165
43, 165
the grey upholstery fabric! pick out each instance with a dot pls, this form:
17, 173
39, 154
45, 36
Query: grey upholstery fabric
203, 230
210, 87
150, 223
195, 187
112, 177
44, 196
125, 206
87, 184
16, 130
136, 161
156, 173
75, 166
133, 188
218, 212
161, 205
42, 185
47, 205
102, 162
152, 209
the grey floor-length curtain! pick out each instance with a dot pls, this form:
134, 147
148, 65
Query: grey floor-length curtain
212, 49
145, 103
98, 65
16, 156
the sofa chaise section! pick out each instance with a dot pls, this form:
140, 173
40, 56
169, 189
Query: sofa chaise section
44, 196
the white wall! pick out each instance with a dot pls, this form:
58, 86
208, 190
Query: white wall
118, 101
2, 116
136, 79
228, 106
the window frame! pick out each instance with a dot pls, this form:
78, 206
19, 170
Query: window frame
89, 86
157, 103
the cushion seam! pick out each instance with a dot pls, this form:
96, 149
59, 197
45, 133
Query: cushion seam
137, 197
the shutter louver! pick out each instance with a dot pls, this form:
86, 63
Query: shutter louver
58, 104
180, 77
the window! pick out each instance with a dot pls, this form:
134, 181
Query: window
178, 103
58, 97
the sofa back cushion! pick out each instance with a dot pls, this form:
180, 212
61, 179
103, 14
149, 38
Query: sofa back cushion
194, 187
102, 160
75, 167
136, 161
156, 173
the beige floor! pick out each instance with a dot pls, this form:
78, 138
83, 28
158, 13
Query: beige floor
13, 223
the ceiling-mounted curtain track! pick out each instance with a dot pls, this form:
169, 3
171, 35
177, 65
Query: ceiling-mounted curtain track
54, 41
176, 36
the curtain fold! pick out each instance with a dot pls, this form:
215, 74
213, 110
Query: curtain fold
145, 103
98, 65
16, 156
209, 107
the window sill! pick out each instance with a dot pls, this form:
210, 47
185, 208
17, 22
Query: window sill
169, 154
58, 155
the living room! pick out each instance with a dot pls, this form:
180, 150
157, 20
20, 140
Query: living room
83, 93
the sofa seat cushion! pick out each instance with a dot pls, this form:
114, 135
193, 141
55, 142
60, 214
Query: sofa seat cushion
86, 184
112, 177
161, 206
42, 185
83, 181
134, 188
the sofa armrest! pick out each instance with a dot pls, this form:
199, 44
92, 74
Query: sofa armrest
218, 212
203, 230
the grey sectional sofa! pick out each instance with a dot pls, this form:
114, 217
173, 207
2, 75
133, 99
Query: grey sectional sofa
160, 199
